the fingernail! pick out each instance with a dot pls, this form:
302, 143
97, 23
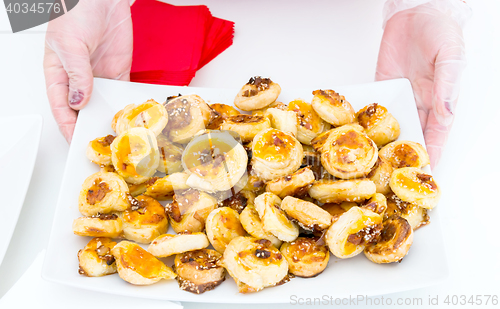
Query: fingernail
449, 107
76, 98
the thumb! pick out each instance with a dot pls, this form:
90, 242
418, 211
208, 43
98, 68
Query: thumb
75, 58
449, 65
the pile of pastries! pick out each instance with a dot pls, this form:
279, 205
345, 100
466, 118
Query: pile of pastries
272, 191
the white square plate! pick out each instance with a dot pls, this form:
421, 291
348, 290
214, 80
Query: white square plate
18, 150
424, 265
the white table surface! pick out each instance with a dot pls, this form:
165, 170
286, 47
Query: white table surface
299, 44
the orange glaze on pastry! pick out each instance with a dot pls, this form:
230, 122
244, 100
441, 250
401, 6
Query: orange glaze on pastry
307, 117
274, 146
422, 183
141, 261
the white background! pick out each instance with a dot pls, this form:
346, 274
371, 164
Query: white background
300, 44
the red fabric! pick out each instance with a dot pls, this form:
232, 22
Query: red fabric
172, 42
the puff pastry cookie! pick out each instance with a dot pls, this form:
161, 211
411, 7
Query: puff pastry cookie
96, 260
348, 152
379, 124
355, 228
187, 114
331, 191
305, 256
283, 120
144, 220
413, 185
257, 93
189, 210
332, 107
103, 193
405, 154
308, 215
101, 225
255, 263
247, 126
251, 222
222, 225
275, 154
274, 219
309, 122
98, 150
394, 242
150, 115
165, 187
167, 244
295, 184
381, 175
215, 162
415, 215
197, 271
137, 266
134, 154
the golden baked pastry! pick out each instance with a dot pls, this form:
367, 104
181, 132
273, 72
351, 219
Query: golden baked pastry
394, 242
138, 189
237, 200
308, 215
189, 210
134, 154
332, 107
262, 111
283, 120
348, 152
224, 109
100, 225
257, 93
215, 161
95, 260
98, 150
413, 185
274, 219
381, 175
309, 122
187, 114
275, 154
137, 266
379, 124
167, 244
319, 141
115, 119
197, 271
254, 262
251, 222
337, 209
170, 156
165, 187
415, 215
305, 256
150, 115
144, 220
354, 229
377, 203
336, 191
222, 225
405, 154
247, 126
295, 184
103, 193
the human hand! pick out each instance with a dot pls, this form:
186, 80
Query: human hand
426, 46
93, 39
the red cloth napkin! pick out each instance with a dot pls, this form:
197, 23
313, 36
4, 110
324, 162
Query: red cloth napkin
172, 42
